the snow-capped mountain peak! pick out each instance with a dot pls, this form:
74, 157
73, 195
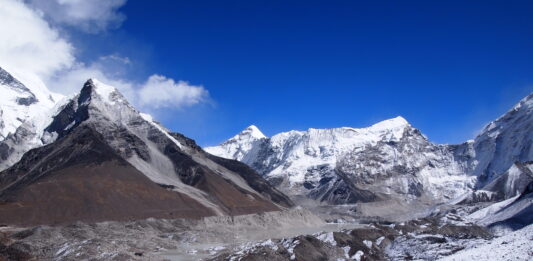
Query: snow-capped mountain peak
22, 97
250, 134
106, 93
102, 89
394, 123
239, 146
254, 132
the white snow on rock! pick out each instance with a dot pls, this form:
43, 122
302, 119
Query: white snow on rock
241, 146
326, 237
357, 256
513, 246
23, 97
298, 150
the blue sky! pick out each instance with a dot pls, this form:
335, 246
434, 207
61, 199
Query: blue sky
448, 67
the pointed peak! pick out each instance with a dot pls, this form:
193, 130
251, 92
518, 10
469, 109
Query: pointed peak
94, 87
101, 88
252, 128
397, 122
251, 132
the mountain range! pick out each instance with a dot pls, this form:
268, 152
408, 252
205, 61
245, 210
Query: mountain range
392, 160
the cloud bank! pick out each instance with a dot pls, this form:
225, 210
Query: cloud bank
32, 43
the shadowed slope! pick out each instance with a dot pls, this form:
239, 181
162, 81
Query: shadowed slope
80, 178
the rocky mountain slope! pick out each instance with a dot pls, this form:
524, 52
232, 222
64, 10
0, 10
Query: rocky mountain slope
80, 178
97, 141
391, 159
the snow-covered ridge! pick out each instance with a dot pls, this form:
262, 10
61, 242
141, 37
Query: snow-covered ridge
344, 138
526, 105
391, 155
292, 154
22, 98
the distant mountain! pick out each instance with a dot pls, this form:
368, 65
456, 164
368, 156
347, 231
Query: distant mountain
346, 165
21, 100
390, 159
103, 160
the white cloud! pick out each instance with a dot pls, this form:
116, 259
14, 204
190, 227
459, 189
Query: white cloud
89, 15
29, 45
161, 92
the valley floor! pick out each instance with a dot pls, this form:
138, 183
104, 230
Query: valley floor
295, 234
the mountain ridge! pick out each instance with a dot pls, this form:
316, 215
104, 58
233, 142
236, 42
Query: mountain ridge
323, 167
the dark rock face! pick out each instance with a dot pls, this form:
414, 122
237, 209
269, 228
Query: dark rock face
80, 178
337, 191
27, 101
4, 151
310, 248
14, 252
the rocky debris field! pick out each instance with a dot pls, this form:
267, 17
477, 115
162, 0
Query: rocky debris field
424, 239
295, 234
154, 239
